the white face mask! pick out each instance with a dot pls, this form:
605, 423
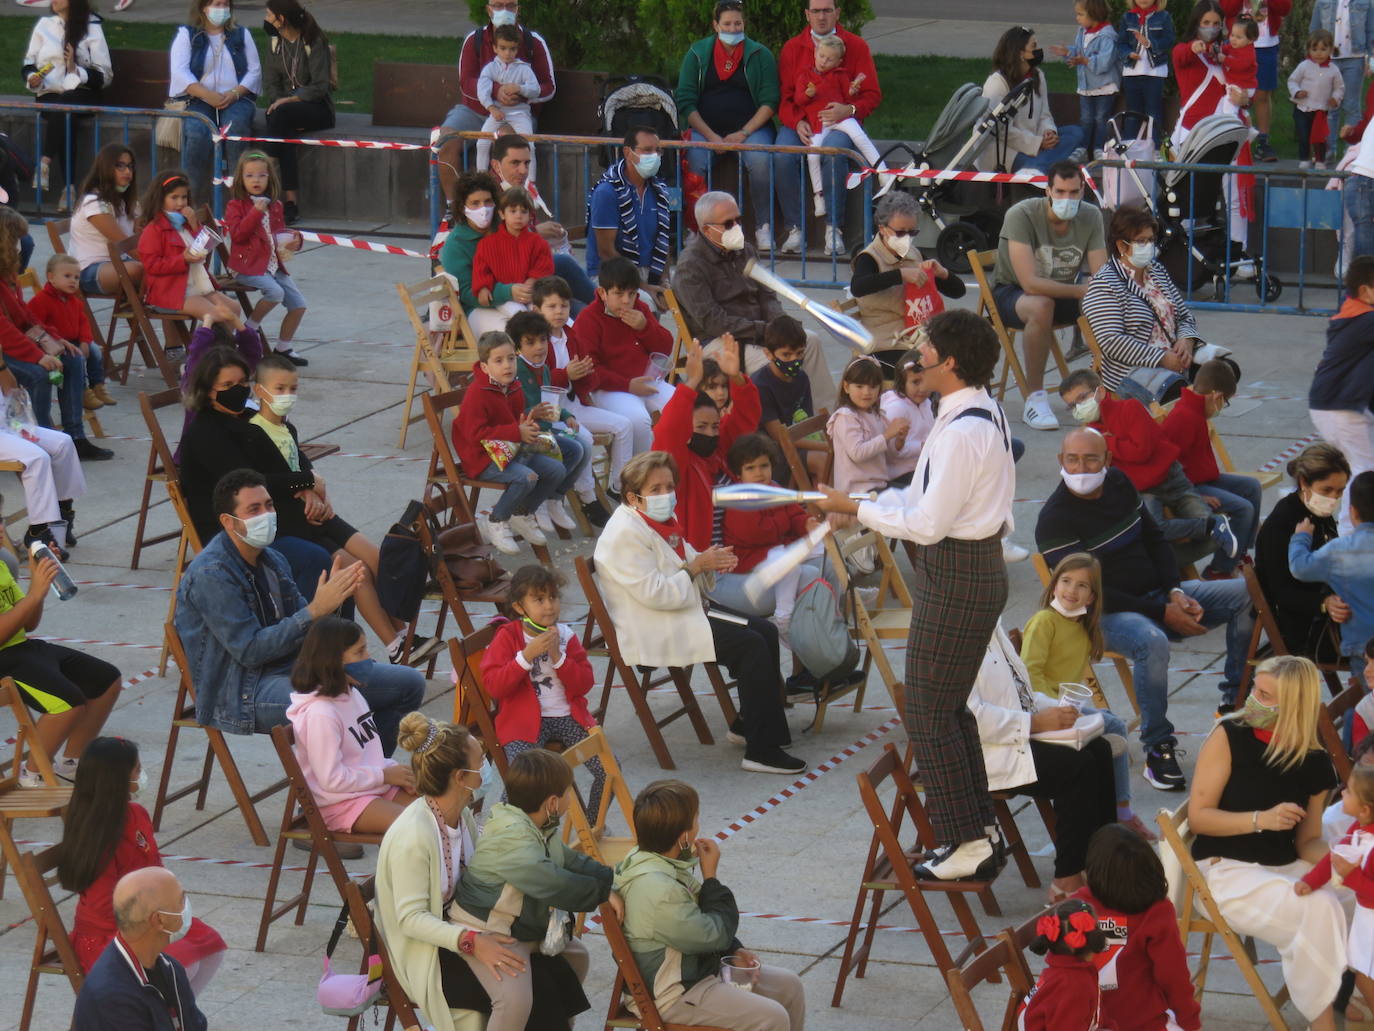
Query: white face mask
481, 216
733, 238
1083, 483
898, 245
139, 783
659, 507
1142, 254
1320, 505
1064, 208
1088, 409
503, 17
1082, 610
219, 16
260, 530
185, 915
281, 404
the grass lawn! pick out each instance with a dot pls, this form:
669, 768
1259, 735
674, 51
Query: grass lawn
915, 89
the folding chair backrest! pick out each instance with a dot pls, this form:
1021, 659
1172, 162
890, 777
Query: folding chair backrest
787, 437
437, 407
26, 742
681, 337
906, 802
28, 280
472, 706
58, 228
891, 585
598, 615
356, 898
458, 343
184, 514
1003, 959
53, 951
150, 405
590, 828
1085, 330
284, 740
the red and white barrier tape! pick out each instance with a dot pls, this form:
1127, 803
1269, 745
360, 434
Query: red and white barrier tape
940, 175
362, 245
1289, 452
306, 142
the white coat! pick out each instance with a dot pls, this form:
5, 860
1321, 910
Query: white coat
47, 46
1003, 725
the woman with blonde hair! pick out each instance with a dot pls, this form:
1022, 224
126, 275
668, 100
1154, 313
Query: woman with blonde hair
1260, 787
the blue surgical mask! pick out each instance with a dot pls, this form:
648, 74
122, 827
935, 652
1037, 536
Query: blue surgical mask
1065, 208
647, 165
503, 17
731, 39
491, 782
659, 507
219, 16
176, 218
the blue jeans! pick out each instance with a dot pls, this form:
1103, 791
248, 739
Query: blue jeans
25, 251
1359, 205
1093, 115
1121, 764
1146, 643
576, 455
35, 380
392, 691
307, 561
1240, 498
583, 291
198, 149
278, 288
729, 592
95, 366
1352, 74
1144, 93
530, 481
756, 169
1070, 139
789, 179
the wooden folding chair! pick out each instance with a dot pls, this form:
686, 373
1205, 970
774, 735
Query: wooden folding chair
584, 831
142, 334
796, 443
20, 803
472, 706
217, 748
1331, 722
640, 1010
161, 467
889, 619
301, 821
680, 339
1198, 913
58, 229
982, 262
52, 948
601, 632
437, 353
1267, 624
28, 280
889, 867
1003, 959
226, 282
188, 547
1085, 330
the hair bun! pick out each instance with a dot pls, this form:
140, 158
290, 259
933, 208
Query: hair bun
413, 731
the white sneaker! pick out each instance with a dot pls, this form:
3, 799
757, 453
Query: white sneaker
1012, 552
498, 535
526, 527
42, 175
818, 204
793, 243
864, 561
558, 514
30, 778
1038, 415
834, 240
868, 596
124, 5
763, 237
545, 520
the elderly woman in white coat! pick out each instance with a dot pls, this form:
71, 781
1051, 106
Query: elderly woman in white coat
655, 584
1078, 780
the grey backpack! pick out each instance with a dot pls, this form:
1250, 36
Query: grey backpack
819, 633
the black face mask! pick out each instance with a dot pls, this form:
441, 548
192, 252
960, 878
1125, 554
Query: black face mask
1037, 56
233, 398
703, 444
269, 28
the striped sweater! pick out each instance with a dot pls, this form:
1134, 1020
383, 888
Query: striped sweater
1123, 320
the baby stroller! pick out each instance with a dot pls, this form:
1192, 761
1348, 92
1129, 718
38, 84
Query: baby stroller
631, 101
1198, 203
969, 214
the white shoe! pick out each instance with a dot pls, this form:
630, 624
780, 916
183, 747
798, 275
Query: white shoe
818, 204
763, 237
834, 240
124, 5
30, 778
1012, 552
864, 561
1038, 415
545, 520
868, 596
971, 860
526, 527
33, 3
498, 535
558, 514
42, 175
793, 243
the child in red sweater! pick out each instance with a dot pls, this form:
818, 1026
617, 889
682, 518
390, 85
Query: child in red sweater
1066, 998
1241, 64
1236, 497
507, 262
1143, 973
60, 306
537, 672
498, 441
1139, 448
816, 89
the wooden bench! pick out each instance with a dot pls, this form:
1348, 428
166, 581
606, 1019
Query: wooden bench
141, 78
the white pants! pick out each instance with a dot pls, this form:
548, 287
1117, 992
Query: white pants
519, 120
486, 320
638, 410
1353, 433
600, 420
851, 128
1308, 930
52, 472
823, 385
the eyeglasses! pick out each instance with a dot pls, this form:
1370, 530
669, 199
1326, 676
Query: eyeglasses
821, 10
124, 166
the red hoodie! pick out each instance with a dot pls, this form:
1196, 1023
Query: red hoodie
15, 319
696, 475
65, 313
506, 677
1186, 426
488, 412
752, 534
1136, 442
1066, 998
163, 253
620, 353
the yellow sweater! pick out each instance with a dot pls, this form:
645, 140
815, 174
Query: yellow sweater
1055, 650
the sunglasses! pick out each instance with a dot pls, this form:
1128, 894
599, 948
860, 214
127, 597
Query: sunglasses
729, 223
900, 232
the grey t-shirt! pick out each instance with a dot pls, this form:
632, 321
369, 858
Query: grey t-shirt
1056, 257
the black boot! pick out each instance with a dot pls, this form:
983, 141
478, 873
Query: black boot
43, 532
69, 516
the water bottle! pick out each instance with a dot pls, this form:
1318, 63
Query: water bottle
63, 585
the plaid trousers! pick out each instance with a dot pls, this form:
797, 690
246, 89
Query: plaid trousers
958, 593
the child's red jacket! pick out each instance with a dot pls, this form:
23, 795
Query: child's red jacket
832, 87
618, 352
163, 254
1186, 426
65, 313
250, 248
488, 412
752, 534
506, 677
1066, 998
502, 259
1137, 443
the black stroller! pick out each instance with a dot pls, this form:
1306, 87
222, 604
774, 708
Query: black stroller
631, 101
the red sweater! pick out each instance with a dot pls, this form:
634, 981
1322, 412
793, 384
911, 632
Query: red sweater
65, 313
16, 318
1359, 880
506, 677
620, 354
1278, 10
1186, 426
799, 53
832, 87
696, 475
752, 534
488, 412
1146, 962
505, 259
249, 246
1242, 68
1190, 70
163, 253
1136, 442
1066, 998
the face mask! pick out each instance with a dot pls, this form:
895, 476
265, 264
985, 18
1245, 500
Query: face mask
484, 789
1142, 254
1064, 208
269, 28
139, 783
703, 444
898, 245
1320, 505
1088, 409
815, 38
480, 217
659, 507
1083, 483
1082, 610
176, 218
233, 398
731, 39
260, 530
1259, 715
1037, 56
219, 16
789, 369
281, 404
121, 187
185, 915
687, 852
532, 365
733, 238
1207, 33
647, 165
503, 17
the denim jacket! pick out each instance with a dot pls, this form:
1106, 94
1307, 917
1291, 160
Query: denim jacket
1102, 68
227, 642
1159, 30
1347, 564
1361, 22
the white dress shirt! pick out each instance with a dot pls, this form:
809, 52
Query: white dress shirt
972, 479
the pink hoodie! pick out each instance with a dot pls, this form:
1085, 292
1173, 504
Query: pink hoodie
338, 747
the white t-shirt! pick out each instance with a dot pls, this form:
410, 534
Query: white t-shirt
88, 244
559, 344
553, 696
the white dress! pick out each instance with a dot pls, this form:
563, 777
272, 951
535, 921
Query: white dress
1360, 950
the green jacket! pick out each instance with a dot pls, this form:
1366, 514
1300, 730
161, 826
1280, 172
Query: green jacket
530, 380
760, 71
677, 928
456, 258
519, 872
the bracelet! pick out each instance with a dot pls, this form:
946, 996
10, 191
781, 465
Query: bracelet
1254, 822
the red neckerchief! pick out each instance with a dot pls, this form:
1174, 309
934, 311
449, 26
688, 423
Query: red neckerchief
727, 59
1096, 28
1143, 15
1264, 735
1353, 308
670, 531
1321, 64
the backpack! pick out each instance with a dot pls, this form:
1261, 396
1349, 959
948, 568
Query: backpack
819, 633
402, 568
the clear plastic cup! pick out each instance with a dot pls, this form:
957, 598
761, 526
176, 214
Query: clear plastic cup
552, 396
285, 253
658, 366
1076, 695
739, 975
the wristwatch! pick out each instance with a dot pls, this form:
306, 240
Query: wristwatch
467, 942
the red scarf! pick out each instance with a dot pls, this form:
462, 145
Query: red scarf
1096, 28
728, 60
670, 531
1264, 735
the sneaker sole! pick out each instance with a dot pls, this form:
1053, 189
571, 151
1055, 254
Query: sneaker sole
1162, 785
425, 651
754, 766
735, 739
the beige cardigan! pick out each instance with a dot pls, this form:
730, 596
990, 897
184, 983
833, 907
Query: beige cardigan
410, 906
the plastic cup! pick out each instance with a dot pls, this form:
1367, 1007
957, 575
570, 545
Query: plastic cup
552, 396
739, 975
658, 366
1076, 695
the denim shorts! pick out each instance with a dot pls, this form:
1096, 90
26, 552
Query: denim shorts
1005, 295
90, 279
278, 288
1267, 68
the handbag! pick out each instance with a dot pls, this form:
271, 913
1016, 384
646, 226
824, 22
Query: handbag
167, 131
347, 995
1123, 186
49, 343
469, 562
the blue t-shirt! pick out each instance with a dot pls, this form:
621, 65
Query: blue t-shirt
606, 215
788, 402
